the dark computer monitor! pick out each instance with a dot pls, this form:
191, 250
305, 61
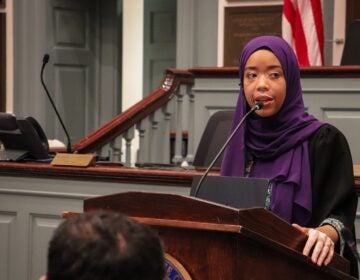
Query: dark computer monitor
237, 192
22, 139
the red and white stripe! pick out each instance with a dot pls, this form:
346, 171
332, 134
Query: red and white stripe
302, 28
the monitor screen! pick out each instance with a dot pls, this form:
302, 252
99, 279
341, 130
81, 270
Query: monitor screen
238, 192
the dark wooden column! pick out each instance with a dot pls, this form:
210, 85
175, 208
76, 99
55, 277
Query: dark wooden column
352, 11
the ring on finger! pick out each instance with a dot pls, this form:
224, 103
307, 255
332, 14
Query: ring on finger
328, 244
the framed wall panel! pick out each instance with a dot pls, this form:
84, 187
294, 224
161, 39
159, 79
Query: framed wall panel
244, 23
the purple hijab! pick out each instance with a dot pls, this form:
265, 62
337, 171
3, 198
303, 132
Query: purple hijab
280, 142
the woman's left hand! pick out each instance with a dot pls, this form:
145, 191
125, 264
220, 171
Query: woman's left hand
321, 245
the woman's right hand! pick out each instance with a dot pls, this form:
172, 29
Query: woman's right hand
319, 243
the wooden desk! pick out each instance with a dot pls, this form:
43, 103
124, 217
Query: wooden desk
33, 196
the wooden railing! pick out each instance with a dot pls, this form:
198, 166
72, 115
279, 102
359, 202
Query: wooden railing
176, 83
169, 110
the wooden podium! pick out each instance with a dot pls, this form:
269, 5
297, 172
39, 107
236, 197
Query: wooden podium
212, 241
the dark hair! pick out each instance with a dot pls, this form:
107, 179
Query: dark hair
105, 245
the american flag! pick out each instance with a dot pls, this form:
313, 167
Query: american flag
302, 28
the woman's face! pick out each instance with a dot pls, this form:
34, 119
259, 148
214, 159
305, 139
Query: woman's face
264, 81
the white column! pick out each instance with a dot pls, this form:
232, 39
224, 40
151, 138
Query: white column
339, 30
221, 19
9, 56
132, 57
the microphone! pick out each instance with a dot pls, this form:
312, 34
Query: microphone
258, 106
45, 61
348, 238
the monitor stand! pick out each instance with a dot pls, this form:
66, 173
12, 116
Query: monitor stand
12, 155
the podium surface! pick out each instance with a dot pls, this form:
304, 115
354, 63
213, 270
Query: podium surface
212, 241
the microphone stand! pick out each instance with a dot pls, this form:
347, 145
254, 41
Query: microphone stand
69, 158
258, 106
45, 61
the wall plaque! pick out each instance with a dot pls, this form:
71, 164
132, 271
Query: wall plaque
244, 23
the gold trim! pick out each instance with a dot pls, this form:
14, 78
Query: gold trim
178, 266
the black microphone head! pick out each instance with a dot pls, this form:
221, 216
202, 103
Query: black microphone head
46, 58
259, 105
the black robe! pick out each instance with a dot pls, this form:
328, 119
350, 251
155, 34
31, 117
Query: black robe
334, 194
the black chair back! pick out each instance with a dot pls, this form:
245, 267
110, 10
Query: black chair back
215, 134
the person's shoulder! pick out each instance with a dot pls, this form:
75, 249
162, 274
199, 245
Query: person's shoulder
328, 133
327, 129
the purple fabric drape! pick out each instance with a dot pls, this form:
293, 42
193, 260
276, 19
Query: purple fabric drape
279, 143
